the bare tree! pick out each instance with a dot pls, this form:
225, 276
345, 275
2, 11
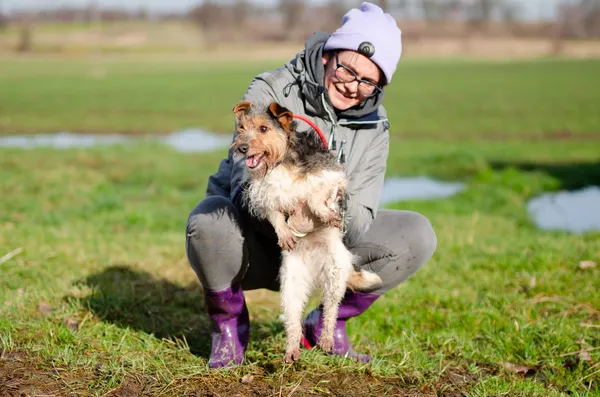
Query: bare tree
337, 10
590, 17
25, 37
142, 13
439, 10
403, 8
562, 24
480, 12
3, 21
510, 13
3, 18
384, 4
428, 7
479, 15
241, 11
208, 17
25, 24
453, 9
579, 20
486, 8
293, 15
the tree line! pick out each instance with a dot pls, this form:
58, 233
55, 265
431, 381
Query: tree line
293, 20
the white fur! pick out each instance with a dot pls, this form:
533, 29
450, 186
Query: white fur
320, 260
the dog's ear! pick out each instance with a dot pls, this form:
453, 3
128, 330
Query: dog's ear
282, 114
242, 108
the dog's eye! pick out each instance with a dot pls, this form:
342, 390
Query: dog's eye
263, 128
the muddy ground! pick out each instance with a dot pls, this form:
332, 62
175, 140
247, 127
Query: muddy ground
22, 375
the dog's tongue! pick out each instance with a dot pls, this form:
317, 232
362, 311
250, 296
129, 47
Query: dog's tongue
252, 161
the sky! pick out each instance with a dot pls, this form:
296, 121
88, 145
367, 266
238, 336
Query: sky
532, 9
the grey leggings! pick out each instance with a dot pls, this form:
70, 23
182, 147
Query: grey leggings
225, 247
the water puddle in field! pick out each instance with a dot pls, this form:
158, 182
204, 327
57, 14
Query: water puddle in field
417, 188
194, 140
187, 141
572, 211
60, 140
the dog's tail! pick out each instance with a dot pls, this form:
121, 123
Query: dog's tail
363, 280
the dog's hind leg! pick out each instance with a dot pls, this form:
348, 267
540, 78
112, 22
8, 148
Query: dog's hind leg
296, 286
336, 273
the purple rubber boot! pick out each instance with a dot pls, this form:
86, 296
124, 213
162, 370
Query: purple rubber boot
230, 326
353, 304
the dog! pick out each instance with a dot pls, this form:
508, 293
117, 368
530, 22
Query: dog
293, 177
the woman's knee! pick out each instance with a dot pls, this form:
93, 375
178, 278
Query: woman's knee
215, 216
215, 243
407, 242
404, 233
423, 240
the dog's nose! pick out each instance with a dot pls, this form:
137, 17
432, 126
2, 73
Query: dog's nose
243, 148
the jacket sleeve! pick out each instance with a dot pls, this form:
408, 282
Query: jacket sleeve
223, 182
365, 187
219, 183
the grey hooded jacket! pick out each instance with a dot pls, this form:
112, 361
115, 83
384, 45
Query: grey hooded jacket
362, 131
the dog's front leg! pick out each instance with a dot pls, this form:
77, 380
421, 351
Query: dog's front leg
286, 239
296, 286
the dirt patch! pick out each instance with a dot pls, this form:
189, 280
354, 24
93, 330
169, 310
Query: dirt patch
454, 383
22, 375
330, 383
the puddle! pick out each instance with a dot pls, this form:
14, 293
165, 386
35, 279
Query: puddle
573, 211
194, 141
421, 188
60, 140
186, 141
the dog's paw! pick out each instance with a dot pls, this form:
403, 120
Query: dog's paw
331, 219
287, 241
326, 344
335, 221
336, 198
291, 356
327, 216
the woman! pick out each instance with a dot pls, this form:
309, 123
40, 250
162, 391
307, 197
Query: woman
338, 82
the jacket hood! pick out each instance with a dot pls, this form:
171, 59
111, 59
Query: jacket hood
309, 72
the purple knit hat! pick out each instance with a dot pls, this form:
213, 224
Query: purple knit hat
371, 32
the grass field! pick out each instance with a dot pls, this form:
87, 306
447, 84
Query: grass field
440, 100
98, 297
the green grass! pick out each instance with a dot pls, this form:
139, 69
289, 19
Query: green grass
98, 236
439, 99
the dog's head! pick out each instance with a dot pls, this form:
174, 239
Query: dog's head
264, 135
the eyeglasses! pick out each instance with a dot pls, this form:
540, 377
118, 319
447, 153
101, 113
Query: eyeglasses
347, 75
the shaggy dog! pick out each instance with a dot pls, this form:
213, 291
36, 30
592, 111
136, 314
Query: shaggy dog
288, 171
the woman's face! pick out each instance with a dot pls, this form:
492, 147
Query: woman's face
343, 88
